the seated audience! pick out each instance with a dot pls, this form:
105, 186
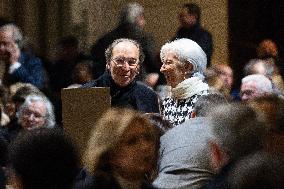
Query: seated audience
254, 86
184, 153
237, 131
124, 58
42, 158
122, 150
20, 67
184, 63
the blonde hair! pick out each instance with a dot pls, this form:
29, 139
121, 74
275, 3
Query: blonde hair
108, 133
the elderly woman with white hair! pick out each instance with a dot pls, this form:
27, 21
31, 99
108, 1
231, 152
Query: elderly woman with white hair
184, 62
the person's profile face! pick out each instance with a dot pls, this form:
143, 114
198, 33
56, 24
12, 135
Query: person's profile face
249, 91
124, 63
172, 69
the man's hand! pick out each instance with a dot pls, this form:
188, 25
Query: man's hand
13, 53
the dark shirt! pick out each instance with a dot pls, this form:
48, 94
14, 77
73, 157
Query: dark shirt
202, 37
135, 96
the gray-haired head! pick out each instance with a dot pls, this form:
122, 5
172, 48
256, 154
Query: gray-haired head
17, 35
238, 129
259, 66
262, 83
187, 51
108, 52
130, 12
49, 116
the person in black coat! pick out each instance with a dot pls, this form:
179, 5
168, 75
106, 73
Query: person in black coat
123, 60
190, 28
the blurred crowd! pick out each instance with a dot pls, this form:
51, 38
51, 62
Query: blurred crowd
177, 121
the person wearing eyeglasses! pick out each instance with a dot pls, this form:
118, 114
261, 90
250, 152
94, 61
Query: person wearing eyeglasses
36, 112
123, 60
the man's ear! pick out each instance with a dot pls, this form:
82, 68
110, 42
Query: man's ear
137, 69
193, 114
218, 157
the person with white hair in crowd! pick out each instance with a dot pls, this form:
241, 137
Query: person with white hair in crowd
184, 63
254, 86
36, 112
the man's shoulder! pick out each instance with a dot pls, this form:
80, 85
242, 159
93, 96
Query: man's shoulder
28, 59
142, 87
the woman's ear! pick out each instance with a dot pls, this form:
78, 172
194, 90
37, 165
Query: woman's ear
188, 67
108, 65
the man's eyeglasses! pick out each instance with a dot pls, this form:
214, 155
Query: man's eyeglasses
121, 61
36, 115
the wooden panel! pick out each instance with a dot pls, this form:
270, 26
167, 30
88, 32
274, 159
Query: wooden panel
80, 110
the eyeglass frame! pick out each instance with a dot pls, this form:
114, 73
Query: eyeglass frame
125, 60
27, 114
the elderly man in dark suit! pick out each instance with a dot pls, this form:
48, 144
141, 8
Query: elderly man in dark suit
20, 67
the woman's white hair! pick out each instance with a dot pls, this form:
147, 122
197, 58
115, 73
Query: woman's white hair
263, 84
187, 50
49, 117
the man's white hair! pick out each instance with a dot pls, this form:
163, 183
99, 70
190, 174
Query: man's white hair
187, 50
263, 84
130, 12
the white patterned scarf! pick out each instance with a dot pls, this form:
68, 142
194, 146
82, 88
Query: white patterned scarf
189, 87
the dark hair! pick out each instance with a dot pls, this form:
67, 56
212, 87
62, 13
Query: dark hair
159, 122
23, 92
260, 170
206, 102
44, 158
194, 9
68, 41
